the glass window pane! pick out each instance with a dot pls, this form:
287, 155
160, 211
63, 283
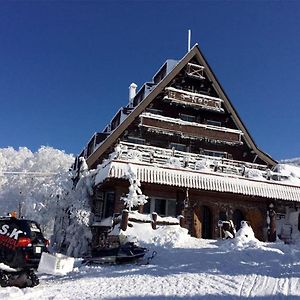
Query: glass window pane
160, 206
171, 208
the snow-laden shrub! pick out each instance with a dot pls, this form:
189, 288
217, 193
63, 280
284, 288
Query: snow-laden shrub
135, 196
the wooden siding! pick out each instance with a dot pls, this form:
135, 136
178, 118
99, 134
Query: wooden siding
191, 131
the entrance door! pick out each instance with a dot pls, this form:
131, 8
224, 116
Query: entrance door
237, 218
202, 220
206, 222
197, 224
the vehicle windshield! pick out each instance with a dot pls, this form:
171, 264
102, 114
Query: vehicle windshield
31, 229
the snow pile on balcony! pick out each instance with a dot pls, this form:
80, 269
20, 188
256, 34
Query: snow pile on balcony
289, 173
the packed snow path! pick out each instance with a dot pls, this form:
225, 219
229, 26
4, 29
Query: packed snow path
208, 270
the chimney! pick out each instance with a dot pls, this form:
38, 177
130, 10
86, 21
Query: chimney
132, 93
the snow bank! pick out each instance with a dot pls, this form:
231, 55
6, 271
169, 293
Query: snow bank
167, 236
244, 239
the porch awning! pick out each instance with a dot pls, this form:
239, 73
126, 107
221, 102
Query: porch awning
208, 181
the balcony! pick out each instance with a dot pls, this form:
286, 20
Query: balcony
193, 99
146, 154
171, 126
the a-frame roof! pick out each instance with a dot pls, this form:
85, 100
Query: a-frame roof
193, 53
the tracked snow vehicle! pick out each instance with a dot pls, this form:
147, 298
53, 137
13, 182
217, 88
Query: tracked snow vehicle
110, 250
21, 247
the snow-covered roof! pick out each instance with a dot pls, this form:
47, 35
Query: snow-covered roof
202, 181
161, 85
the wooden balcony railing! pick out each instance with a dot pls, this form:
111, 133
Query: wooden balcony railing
161, 156
190, 129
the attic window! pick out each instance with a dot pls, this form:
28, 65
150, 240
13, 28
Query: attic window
195, 71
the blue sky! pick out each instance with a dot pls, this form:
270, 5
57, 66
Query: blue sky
66, 65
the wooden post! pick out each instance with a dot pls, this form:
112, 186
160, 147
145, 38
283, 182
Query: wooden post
124, 220
271, 222
272, 235
181, 220
154, 220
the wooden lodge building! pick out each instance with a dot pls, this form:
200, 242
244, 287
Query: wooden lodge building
192, 153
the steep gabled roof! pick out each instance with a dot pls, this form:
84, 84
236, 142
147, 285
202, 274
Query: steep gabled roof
193, 53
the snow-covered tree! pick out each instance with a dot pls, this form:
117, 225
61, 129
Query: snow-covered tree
32, 182
135, 196
47, 194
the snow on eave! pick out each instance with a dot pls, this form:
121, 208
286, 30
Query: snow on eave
208, 181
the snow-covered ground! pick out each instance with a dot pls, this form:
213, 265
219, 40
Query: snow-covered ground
184, 268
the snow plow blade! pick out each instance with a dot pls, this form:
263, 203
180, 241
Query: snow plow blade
57, 264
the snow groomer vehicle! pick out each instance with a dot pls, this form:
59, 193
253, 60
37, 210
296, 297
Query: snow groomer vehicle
21, 247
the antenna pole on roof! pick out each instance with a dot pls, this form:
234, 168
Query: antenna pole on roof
189, 40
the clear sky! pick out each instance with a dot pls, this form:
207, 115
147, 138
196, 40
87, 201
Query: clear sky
65, 66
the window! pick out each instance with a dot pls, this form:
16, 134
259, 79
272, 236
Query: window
163, 207
109, 204
178, 147
214, 123
136, 140
104, 204
215, 153
188, 118
154, 111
